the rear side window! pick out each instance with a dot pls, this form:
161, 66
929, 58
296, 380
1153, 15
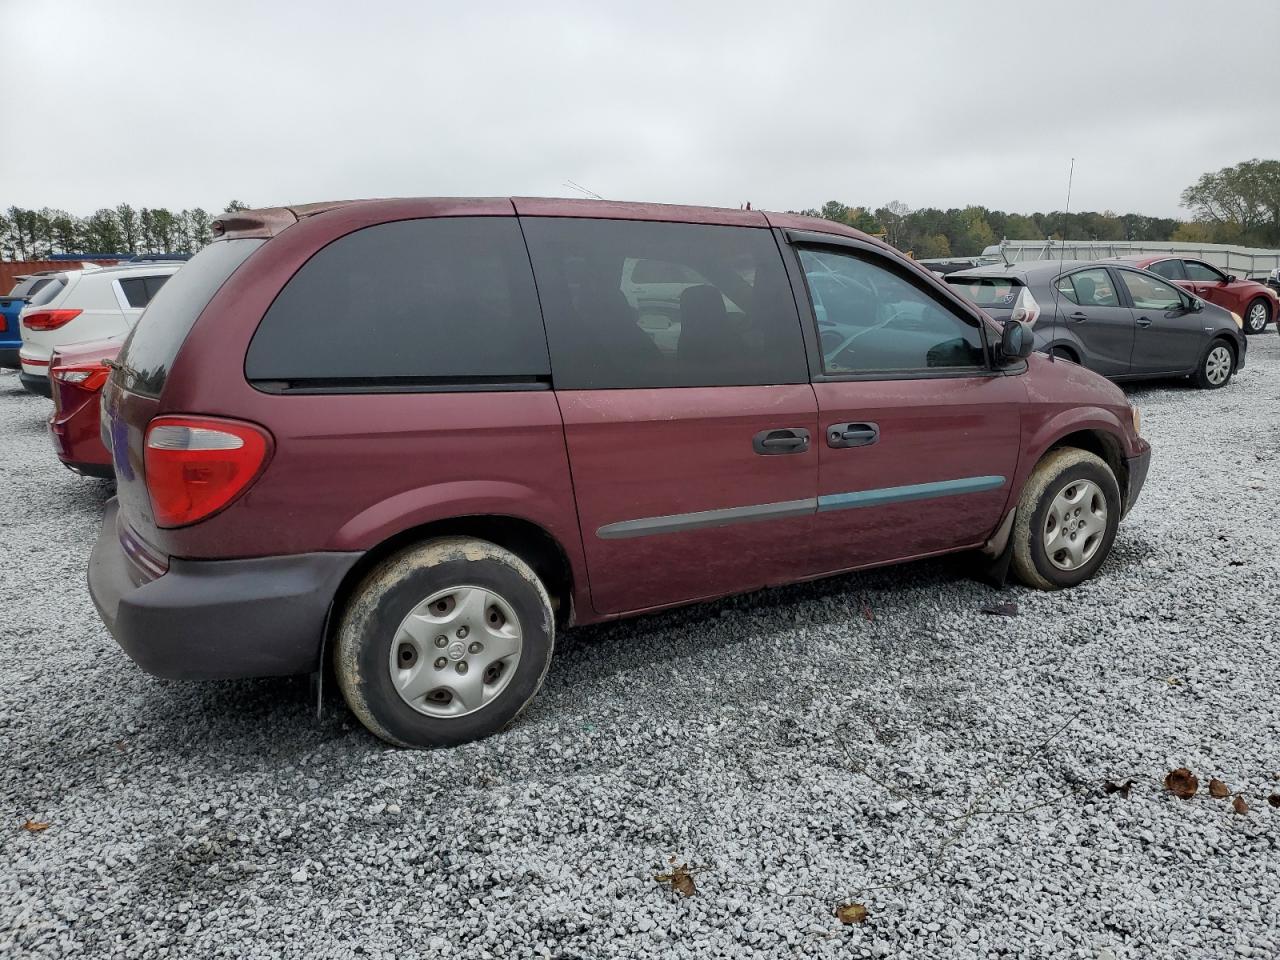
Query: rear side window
1169, 269
447, 301
996, 292
1090, 288
139, 290
631, 304
153, 344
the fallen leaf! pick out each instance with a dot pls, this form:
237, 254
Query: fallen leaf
1182, 783
1121, 788
867, 614
1239, 806
1218, 790
1000, 609
1235, 563
34, 826
1173, 681
680, 880
1274, 799
848, 913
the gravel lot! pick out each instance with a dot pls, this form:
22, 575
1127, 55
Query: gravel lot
872, 738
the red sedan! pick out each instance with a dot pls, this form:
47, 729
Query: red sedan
77, 373
1256, 303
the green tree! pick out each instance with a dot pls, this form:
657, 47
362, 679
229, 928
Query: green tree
100, 233
130, 227
1242, 201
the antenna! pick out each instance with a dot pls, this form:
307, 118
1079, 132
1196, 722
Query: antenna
1062, 255
579, 187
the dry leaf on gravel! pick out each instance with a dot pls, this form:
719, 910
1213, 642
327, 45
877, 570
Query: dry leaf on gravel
679, 880
1182, 783
1121, 788
34, 826
848, 913
1239, 806
1274, 799
867, 614
1218, 790
1000, 609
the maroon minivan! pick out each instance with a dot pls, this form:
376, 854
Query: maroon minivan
416, 438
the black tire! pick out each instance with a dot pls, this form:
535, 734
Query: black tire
1059, 471
1208, 374
1257, 315
1065, 353
378, 607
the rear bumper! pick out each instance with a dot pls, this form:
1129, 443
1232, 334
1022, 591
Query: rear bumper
1137, 471
36, 384
216, 619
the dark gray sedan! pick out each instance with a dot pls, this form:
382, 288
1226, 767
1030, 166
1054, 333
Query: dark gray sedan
1120, 321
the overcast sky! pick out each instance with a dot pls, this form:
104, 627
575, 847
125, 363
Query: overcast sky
785, 104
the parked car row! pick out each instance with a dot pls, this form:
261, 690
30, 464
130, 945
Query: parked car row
413, 439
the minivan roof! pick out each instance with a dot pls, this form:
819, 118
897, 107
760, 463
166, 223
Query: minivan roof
269, 221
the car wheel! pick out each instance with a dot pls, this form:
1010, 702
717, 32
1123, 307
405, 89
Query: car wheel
1256, 316
1062, 353
1066, 520
1216, 365
444, 642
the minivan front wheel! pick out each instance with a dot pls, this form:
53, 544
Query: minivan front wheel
1066, 520
444, 642
1217, 363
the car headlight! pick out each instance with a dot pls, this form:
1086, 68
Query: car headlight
1137, 420
1238, 319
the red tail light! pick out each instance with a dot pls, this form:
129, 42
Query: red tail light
87, 376
195, 466
49, 319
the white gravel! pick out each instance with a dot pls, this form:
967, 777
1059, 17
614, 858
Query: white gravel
798, 749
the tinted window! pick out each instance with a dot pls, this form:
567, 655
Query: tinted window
154, 342
1169, 269
135, 291
995, 292
873, 320
1149, 293
431, 300
1092, 288
639, 304
1202, 272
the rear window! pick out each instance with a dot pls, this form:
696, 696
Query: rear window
153, 344
994, 292
45, 290
29, 286
443, 302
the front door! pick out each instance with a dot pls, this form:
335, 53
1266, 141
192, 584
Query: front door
919, 435
679, 365
1090, 307
1168, 334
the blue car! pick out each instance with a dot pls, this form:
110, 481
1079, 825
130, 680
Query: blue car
37, 288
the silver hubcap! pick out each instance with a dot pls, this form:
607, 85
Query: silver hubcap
1075, 525
455, 651
1257, 316
1217, 365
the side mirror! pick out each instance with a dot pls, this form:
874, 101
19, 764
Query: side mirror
1017, 341
1231, 278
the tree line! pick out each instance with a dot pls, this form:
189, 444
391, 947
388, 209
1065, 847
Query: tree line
1239, 205
38, 234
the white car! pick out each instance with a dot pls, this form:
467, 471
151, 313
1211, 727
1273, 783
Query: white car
94, 303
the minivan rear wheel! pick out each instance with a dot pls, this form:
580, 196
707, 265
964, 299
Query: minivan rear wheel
444, 642
1066, 520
